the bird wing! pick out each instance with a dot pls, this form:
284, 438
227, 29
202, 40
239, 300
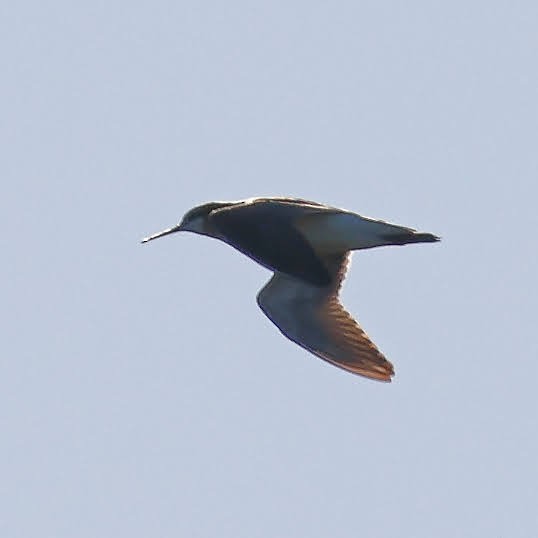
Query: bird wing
265, 231
314, 318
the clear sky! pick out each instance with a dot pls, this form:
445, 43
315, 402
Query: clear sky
142, 391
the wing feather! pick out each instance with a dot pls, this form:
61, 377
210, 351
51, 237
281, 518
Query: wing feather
314, 318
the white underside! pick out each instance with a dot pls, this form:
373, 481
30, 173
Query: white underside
333, 233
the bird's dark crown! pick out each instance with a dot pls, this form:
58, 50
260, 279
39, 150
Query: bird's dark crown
203, 210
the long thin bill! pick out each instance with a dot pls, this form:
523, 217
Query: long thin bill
160, 234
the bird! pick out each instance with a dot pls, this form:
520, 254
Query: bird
307, 245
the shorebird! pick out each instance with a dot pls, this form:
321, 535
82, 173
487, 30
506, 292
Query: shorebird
307, 245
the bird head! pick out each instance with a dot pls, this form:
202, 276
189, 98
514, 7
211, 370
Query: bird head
196, 220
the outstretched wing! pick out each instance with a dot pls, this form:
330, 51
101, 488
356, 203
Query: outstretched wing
314, 318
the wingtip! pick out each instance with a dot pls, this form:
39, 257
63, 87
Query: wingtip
375, 372
384, 373
383, 379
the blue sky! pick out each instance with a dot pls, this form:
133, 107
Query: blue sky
142, 391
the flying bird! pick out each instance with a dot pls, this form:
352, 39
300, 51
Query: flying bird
307, 245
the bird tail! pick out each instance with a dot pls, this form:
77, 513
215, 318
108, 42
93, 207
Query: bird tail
404, 238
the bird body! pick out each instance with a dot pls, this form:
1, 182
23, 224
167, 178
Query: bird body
306, 245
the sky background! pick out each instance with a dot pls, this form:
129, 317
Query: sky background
142, 391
